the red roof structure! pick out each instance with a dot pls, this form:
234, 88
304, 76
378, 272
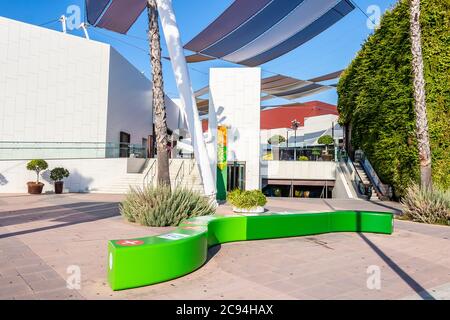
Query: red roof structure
282, 116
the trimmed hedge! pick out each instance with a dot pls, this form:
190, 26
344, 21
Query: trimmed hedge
376, 96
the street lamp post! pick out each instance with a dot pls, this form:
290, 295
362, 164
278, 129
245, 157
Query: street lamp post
294, 125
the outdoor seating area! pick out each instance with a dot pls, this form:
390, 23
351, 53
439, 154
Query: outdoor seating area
249, 150
143, 261
42, 237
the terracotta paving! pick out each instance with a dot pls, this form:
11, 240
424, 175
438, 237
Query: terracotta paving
43, 239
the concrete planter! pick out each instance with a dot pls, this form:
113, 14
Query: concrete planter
251, 210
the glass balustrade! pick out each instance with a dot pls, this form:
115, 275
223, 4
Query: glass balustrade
14, 150
315, 153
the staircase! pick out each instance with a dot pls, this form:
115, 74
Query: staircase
366, 181
183, 173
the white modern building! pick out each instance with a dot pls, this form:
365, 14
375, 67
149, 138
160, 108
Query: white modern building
79, 104
75, 102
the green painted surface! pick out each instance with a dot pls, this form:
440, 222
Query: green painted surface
221, 183
144, 261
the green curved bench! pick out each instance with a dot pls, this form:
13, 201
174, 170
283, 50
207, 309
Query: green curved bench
149, 260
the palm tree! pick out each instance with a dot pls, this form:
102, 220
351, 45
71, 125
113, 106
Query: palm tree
159, 108
419, 96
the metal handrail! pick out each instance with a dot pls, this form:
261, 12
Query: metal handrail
178, 179
193, 163
147, 172
384, 189
356, 178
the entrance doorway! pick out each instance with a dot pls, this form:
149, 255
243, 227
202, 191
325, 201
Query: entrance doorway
236, 175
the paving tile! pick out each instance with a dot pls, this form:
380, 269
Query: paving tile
13, 290
321, 266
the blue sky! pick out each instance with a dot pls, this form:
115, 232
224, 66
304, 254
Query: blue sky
330, 51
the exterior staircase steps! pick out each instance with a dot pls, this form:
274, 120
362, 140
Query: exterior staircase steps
365, 179
188, 177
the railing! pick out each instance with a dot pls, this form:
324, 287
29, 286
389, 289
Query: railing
316, 153
24, 150
149, 173
355, 178
192, 166
180, 175
384, 189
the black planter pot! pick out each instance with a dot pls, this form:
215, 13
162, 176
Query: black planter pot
59, 187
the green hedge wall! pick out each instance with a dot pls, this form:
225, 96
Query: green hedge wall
376, 98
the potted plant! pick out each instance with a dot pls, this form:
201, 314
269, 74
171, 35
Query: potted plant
326, 140
57, 175
276, 139
247, 201
36, 165
303, 158
315, 152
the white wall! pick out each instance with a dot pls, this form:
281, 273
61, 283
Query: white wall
237, 91
318, 126
304, 170
129, 102
56, 87
53, 86
307, 135
85, 174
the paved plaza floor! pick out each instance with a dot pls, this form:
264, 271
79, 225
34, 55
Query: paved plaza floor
46, 239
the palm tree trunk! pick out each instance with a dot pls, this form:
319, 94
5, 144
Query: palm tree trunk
163, 177
419, 96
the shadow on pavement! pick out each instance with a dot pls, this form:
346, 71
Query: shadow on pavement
68, 214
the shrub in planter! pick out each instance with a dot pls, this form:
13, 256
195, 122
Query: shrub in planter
427, 205
160, 207
36, 165
303, 158
57, 175
247, 201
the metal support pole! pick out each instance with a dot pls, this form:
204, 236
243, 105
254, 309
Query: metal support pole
187, 97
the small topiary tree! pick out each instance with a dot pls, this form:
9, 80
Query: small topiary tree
326, 140
37, 165
315, 152
276, 139
57, 174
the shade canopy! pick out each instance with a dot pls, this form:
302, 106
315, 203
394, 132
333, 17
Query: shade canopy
114, 15
249, 33
254, 32
280, 86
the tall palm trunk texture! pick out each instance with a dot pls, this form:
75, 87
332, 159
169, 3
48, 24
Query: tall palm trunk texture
419, 96
163, 176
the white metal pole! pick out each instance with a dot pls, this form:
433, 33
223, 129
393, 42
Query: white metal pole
187, 97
